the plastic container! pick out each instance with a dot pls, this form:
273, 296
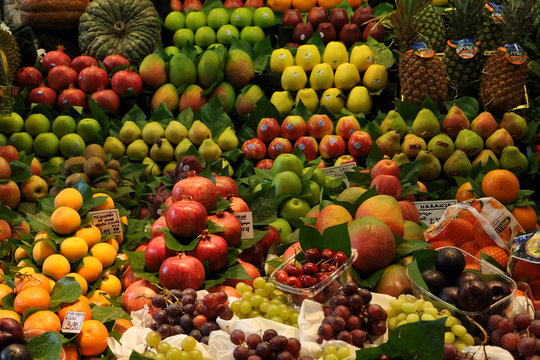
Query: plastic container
487, 272
320, 292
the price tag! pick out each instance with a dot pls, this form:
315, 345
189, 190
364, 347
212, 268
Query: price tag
73, 322
432, 211
246, 219
108, 221
339, 171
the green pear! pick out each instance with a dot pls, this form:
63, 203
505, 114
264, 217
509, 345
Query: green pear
359, 100
170, 167
152, 131
227, 140
283, 101
482, 158
209, 150
389, 143
182, 148
129, 132
413, 231
426, 124
500, 139
469, 142
175, 132
441, 146
412, 144
198, 132
400, 159
457, 164
114, 147
152, 168
430, 166
512, 159
137, 150
515, 124
393, 121
162, 150
309, 99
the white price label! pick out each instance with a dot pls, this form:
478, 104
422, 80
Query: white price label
339, 171
108, 221
432, 211
73, 322
246, 219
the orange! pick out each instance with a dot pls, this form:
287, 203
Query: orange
69, 197
440, 243
502, 185
469, 247
100, 298
35, 297
525, 270
79, 305
4, 290
464, 192
27, 270
91, 269
355, 3
65, 220
107, 205
496, 252
10, 314
56, 266
459, 230
328, 4
279, 5
20, 254
304, 5
113, 242
89, 233
82, 282
42, 250
122, 325
526, 216
111, 284
33, 280
42, 320
105, 253
481, 237
92, 340
71, 352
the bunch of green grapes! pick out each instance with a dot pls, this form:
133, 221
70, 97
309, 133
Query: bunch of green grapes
333, 352
160, 350
263, 300
406, 309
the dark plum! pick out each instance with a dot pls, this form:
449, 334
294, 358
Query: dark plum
450, 262
434, 279
449, 294
499, 290
474, 296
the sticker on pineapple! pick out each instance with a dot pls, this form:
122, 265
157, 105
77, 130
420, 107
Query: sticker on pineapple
496, 12
465, 48
514, 53
422, 50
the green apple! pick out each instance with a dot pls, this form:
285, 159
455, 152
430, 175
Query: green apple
72, 145
287, 183
175, 20
226, 33
241, 17
172, 50
218, 17
22, 141
311, 193
283, 227
205, 36
11, 123
288, 162
36, 124
3, 140
89, 130
182, 37
317, 176
264, 17
294, 209
195, 20
46, 145
57, 161
63, 125
252, 34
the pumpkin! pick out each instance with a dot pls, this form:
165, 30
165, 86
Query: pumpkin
128, 27
52, 14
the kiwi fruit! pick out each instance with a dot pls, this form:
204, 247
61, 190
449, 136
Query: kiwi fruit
95, 150
94, 167
55, 190
114, 175
107, 184
114, 164
74, 165
73, 178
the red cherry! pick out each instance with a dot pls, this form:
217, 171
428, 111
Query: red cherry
293, 270
293, 281
281, 276
310, 268
307, 280
328, 254
340, 258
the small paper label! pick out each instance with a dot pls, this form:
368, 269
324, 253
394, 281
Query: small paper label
108, 221
465, 48
496, 12
246, 219
514, 53
422, 50
432, 211
73, 322
339, 171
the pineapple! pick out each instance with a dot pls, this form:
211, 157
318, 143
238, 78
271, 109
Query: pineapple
419, 77
491, 35
502, 84
465, 22
431, 26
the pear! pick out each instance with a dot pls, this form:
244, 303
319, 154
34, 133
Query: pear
209, 150
512, 159
457, 164
515, 124
400, 159
413, 231
162, 150
182, 148
227, 140
170, 168
137, 150
283, 101
430, 167
469, 142
412, 145
129, 132
362, 57
114, 147
454, 122
441, 146
500, 139
389, 143
198, 132
321, 77
152, 131
335, 53
152, 168
359, 100
482, 158
394, 121
309, 99
484, 124
425, 124
346, 76
175, 132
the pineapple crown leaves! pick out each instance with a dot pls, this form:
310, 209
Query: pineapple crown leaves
518, 16
465, 19
405, 20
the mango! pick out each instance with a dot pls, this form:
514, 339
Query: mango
153, 71
166, 93
384, 208
226, 96
246, 100
182, 70
208, 68
239, 68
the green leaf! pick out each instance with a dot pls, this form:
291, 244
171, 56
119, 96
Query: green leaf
407, 110
407, 247
136, 261
108, 313
345, 5
383, 55
214, 116
20, 172
533, 163
311, 238
161, 114
66, 290
248, 242
222, 204
7, 301
263, 205
214, 227
174, 244
261, 55
531, 131
467, 104
186, 117
337, 238
242, 45
135, 115
375, 155
409, 172
367, 282
301, 110
46, 346
211, 4
491, 260
382, 9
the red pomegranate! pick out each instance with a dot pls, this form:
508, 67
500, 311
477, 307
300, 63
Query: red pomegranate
158, 224
126, 80
237, 204
92, 78
114, 60
272, 237
138, 294
211, 248
196, 188
250, 269
42, 95
128, 278
28, 76
226, 186
186, 218
156, 252
182, 272
55, 58
228, 221
83, 61
72, 97
61, 77
106, 99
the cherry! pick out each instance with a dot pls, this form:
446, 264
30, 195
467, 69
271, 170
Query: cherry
310, 268
328, 254
292, 270
307, 280
281, 276
293, 281
312, 255
340, 258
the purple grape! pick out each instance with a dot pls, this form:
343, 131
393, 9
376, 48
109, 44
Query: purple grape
337, 323
237, 337
226, 313
186, 321
188, 299
342, 311
522, 321
339, 300
240, 353
294, 346
177, 330
252, 340
527, 346
284, 355
493, 320
353, 322
450, 352
366, 295
534, 328
174, 310
377, 327
326, 331
269, 334
344, 336
165, 331
159, 301
505, 325
264, 351
350, 288
196, 333
160, 317
376, 312
278, 343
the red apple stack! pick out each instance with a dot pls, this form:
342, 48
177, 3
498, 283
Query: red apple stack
385, 177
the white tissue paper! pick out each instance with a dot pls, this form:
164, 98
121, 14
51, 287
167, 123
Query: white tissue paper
488, 352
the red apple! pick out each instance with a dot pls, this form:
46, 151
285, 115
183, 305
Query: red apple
344, 159
291, 17
385, 167
181, 272
233, 4
387, 185
308, 145
254, 149
317, 15
292, 127
265, 164
302, 33
338, 18
350, 34
319, 125
279, 146
254, 3
5, 169
332, 146
253, 255
346, 126
10, 194
362, 15
268, 129
35, 167
34, 188
327, 32
375, 30
359, 144
9, 152
156, 252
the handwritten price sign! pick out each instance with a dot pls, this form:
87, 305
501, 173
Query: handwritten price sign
108, 221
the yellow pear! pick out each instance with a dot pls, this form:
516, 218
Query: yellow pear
152, 168
333, 100
293, 78
227, 140
198, 132
359, 100
307, 56
182, 148
362, 57
283, 101
335, 53
280, 59
376, 77
152, 131
321, 77
309, 99
346, 76
175, 132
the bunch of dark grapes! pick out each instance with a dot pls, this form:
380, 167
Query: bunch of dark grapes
270, 346
180, 312
520, 335
351, 317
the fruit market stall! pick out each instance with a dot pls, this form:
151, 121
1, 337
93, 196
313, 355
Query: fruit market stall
257, 180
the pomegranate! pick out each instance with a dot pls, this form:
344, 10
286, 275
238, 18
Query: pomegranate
92, 78
252, 272
42, 95
106, 99
138, 294
186, 218
292, 250
144, 213
158, 224
28, 76
126, 80
231, 292
228, 221
226, 186
83, 61
181, 272
156, 252
128, 277
197, 188
233, 4
272, 237
211, 248
55, 58
114, 60
195, 5
237, 204
72, 97
61, 77
158, 200
253, 255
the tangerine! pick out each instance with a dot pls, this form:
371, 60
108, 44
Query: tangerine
34, 297
92, 340
56, 266
44, 320
69, 197
499, 254
464, 192
4, 290
10, 314
526, 216
459, 230
33, 280
279, 5
65, 220
304, 5
122, 325
107, 205
328, 4
91, 269
89, 233
78, 306
502, 185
